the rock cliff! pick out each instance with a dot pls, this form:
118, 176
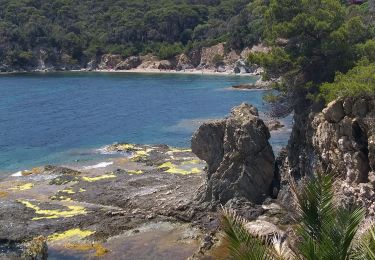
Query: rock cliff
340, 140
240, 160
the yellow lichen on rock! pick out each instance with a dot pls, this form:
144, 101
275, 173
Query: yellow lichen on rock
36, 170
140, 154
135, 172
71, 233
196, 170
179, 150
81, 190
3, 194
100, 250
98, 178
194, 161
54, 213
68, 191
22, 187
125, 147
173, 168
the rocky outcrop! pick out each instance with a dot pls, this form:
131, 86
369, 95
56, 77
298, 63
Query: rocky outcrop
109, 61
209, 54
129, 63
339, 140
166, 65
239, 157
184, 62
149, 62
343, 138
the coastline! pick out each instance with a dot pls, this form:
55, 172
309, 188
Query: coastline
206, 72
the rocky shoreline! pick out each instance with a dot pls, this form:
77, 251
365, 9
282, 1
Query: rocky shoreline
148, 192
171, 198
215, 60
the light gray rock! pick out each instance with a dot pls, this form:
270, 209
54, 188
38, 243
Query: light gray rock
334, 111
342, 138
129, 63
184, 62
109, 61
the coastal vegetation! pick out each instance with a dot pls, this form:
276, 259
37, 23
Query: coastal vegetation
325, 230
75, 32
358, 81
312, 41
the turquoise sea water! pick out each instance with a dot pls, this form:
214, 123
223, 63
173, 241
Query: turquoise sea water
58, 118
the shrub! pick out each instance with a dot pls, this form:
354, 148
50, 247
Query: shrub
358, 81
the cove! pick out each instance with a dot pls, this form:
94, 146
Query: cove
58, 118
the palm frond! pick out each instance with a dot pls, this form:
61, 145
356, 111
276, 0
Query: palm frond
365, 247
315, 205
337, 237
242, 245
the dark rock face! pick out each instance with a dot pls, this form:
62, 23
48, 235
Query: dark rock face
240, 160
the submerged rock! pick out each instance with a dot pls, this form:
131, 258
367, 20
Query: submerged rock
240, 160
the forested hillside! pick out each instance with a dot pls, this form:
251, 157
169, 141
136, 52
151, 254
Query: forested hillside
74, 32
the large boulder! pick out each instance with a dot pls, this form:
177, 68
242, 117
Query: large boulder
149, 62
240, 160
109, 61
129, 63
166, 65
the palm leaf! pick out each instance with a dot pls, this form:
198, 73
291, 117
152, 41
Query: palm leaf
337, 237
315, 204
365, 248
242, 245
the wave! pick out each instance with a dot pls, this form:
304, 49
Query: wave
17, 174
99, 165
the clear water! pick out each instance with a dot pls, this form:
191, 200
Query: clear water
57, 118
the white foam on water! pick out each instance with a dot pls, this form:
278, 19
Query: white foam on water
104, 150
99, 165
17, 174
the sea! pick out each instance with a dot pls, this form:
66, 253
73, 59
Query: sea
65, 117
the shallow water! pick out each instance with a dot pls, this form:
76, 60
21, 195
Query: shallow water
59, 118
